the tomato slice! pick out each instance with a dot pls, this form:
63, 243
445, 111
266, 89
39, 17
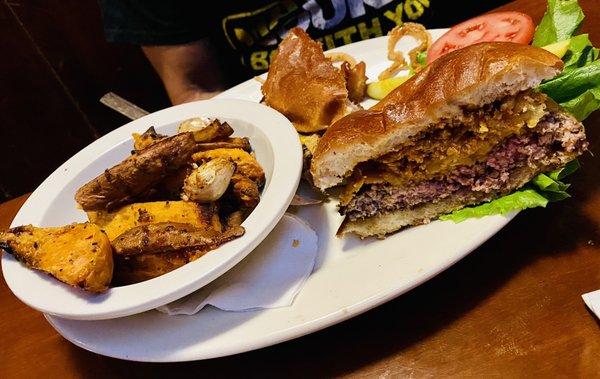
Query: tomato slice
499, 26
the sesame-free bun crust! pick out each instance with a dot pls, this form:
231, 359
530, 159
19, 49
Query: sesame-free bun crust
304, 85
472, 76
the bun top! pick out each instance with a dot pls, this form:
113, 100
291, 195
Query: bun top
304, 85
469, 77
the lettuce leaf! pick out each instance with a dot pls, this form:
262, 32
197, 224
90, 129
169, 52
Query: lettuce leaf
573, 83
561, 20
584, 104
543, 189
565, 171
577, 89
527, 198
581, 52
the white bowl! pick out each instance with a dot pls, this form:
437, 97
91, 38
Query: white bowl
278, 150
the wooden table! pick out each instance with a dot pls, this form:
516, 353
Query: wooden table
512, 308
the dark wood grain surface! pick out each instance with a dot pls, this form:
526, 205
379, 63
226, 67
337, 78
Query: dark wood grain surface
54, 67
512, 308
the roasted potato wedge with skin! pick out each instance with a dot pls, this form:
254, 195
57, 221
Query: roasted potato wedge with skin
247, 165
230, 143
138, 268
168, 237
131, 216
215, 131
122, 183
245, 191
209, 181
234, 219
171, 186
78, 254
144, 140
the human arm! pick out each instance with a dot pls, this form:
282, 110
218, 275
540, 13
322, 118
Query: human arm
188, 71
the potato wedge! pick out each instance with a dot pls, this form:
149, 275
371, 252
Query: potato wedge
245, 191
230, 143
138, 268
131, 216
146, 139
170, 237
214, 131
78, 254
137, 174
247, 165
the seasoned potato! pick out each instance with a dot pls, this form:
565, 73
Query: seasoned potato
130, 216
78, 254
184, 244
214, 131
171, 237
230, 143
247, 165
125, 182
244, 191
144, 140
137, 268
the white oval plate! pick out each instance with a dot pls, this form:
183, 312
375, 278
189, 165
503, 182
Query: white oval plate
277, 149
351, 276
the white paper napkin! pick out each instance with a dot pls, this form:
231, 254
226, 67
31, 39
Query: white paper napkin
270, 277
592, 300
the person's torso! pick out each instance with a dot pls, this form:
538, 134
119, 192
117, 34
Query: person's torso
248, 32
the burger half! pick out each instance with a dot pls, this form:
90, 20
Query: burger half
468, 128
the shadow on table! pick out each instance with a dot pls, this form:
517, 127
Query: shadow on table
400, 324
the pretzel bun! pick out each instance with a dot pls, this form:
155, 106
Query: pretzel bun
469, 77
304, 85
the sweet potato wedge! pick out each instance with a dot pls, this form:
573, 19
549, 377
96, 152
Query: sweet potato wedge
138, 268
78, 254
132, 266
133, 215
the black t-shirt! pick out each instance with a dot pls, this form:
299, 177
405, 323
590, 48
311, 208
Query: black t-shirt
245, 33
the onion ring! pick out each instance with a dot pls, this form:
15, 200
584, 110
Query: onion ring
414, 30
340, 57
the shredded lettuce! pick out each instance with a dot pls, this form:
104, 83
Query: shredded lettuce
560, 22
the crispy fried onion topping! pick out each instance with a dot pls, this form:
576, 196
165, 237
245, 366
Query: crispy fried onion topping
415, 30
340, 57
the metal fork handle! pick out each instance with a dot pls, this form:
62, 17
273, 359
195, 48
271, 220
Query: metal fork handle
126, 108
